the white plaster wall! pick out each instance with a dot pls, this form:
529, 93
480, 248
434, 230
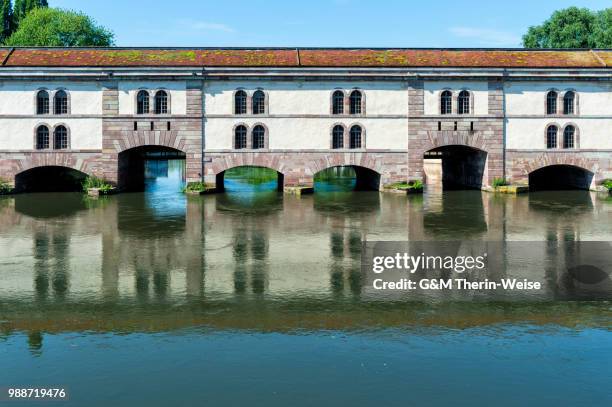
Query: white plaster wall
528, 98
528, 133
19, 98
176, 89
308, 98
432, 90
309, 133
18, 134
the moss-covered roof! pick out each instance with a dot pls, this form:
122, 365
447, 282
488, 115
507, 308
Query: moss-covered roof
305, 57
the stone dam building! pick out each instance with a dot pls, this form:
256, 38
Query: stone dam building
460, 117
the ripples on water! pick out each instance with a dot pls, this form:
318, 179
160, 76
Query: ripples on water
252, 297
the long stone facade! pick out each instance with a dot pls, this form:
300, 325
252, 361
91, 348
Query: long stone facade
495, 122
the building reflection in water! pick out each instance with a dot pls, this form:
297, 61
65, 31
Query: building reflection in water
226, 249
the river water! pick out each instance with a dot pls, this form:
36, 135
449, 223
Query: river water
254, 298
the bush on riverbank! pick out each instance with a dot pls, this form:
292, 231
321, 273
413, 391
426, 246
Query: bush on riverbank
608, 184
416, 185
499, 182
5, 187
94, 182
198, 187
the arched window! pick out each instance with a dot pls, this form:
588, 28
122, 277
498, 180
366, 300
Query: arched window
568, 137
142, 102
568, 102
338, 102
259, 102
355, 102
463, 102
60, 138
446, 102
338, 137
161, 102
355, 136
259, 137
240, 137
60, 102
42, 102
42, 138
551, 102
240, 102
551, 137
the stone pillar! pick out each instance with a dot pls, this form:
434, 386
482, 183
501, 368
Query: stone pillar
416, 109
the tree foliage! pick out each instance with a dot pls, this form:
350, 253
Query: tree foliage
60, 28
6, 15
23, 7
572, 27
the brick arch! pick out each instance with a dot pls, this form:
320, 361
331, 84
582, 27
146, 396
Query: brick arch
437, 139
364, 160
254, 160
147, 138
57, 159
550, 159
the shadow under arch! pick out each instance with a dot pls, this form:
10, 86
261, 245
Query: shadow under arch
560, 177
49, 178
455, 166
341, 178
131, 164
249, 179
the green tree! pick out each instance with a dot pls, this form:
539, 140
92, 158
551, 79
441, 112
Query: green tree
572, 27
53, 27
23, 7
6, 15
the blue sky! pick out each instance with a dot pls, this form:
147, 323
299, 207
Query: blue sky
322, 23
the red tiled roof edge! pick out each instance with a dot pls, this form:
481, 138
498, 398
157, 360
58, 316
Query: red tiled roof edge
305, 57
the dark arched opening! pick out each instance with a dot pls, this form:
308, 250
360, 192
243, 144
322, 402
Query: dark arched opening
455, 167
250, 179
49, 179
560, 177
346, 178
140, 165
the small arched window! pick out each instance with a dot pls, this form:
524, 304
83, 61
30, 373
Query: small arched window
355, 102
240, 137
259, 102
446, 102
568, 137
551, 102
60, 138
42, 138
355, 137
259, 137
240, 102
161, 102
463, 102
568, 102
142, 102
551, 137
42, 102
60, 102
338, 137
338, 102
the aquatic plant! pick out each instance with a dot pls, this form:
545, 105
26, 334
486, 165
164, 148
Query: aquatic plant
414, 185
499, 182
5, 187
608, 184
95, 182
